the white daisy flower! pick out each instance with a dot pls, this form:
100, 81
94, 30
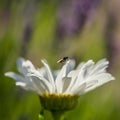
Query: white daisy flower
86, 77
65, 82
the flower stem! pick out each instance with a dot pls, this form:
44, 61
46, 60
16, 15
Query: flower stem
58, 115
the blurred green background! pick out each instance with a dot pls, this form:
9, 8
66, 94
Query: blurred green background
51, 29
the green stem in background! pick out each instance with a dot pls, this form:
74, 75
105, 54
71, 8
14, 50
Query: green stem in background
58, 115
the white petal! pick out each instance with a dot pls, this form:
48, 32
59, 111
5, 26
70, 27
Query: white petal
82, 73
61, 75
100, 67
24, 66
89, 89
87, 64
79, 90
55, 74
40, 85
84, 69
28, 65
102, 79
71, 65
41, 82
73, 75
26, 86
21, 81
15, 76
91, 83
49, 73
79, 79
20, 62
66, 83
22, 84
80, 65
31, 86
42, 72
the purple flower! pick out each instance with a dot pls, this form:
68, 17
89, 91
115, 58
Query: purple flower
73, 14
